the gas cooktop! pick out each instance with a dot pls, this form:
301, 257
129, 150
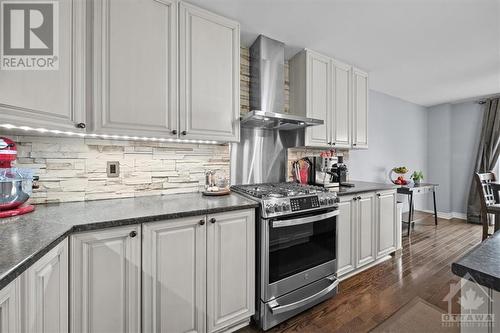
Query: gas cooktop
278, 199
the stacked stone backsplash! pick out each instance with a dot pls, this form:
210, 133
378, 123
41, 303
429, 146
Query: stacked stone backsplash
74, 169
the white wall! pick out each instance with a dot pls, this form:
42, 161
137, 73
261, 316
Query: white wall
398, 136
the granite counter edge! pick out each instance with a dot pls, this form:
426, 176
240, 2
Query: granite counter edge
482, 278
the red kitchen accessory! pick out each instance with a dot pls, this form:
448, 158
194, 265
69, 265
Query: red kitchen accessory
15, 184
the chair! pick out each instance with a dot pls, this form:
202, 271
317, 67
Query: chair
488, 203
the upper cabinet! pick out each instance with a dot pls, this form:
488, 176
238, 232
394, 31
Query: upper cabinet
209, 77
52, 99
360, 109
135, 67
325, 88
310, 94
148, 82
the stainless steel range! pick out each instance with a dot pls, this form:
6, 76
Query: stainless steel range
297, 248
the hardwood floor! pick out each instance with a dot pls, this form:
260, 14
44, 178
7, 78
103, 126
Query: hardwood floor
369, 298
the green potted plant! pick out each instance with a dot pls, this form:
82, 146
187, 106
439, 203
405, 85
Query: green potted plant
417, 177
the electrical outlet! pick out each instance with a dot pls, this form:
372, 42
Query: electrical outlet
113, 169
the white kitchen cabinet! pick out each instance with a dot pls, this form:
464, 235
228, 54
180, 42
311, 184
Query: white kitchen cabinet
209, 74
341, 113
230, 269
365, 216
105, 285
135, 67
386, 223
174, 275
346, 235
360, 108
45, 292
311, 94
10, 310
52, 99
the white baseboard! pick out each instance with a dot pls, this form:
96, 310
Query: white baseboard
447, 216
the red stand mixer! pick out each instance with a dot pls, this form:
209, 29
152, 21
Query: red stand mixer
15, 184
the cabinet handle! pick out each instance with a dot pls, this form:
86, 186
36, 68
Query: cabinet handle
174, 132
81, 125
202, 222
184, 132
133, 234
213, 220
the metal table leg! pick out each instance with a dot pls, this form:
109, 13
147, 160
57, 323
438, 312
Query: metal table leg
410, 214
435, 209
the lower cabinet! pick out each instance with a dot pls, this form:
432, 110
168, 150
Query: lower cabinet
199, 273
346, 238
365, 216
230, 269
106, 280
45, 293
174, 275
386, 227
367, 228
10, 311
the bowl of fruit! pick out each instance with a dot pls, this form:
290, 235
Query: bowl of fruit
397, 175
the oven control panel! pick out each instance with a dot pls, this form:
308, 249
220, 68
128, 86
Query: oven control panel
273, 207
304, 203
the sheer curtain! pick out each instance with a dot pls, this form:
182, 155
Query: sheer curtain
487, 155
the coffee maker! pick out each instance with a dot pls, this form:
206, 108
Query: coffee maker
321, 173
339, 171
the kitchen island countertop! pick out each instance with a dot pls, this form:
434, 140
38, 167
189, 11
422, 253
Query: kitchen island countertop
482, 263
25, 239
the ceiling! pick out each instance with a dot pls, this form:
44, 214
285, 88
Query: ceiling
424, 51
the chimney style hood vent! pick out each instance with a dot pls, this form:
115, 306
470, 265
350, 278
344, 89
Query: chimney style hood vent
267, 89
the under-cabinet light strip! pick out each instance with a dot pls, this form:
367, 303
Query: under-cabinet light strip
102, 136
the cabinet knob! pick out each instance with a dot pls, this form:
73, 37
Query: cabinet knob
333, 143
184, 132
202, 222
359, 198
378, 194
81, 125
174, 132
213, 220
355, 198
330, 143
354, 144
133, 234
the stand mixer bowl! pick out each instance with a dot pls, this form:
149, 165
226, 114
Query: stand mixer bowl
15, 188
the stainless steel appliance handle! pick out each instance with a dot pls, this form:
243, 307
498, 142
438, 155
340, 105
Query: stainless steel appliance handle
276, 308
304, 220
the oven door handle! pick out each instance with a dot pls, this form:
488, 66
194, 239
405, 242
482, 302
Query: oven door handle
304, 220
276, 308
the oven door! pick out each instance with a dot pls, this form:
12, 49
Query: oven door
297, 250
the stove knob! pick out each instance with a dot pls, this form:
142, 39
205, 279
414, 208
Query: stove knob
269, 209
285, 206
322, 201
331, 201
277, 207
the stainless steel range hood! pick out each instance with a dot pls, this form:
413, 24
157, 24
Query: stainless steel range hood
267, 89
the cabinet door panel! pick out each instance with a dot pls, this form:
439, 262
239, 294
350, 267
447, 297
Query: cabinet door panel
135, 75
53, 99
230, 268
346, 225
366, 224
106, 280
46, 292
209, 75
386, 223
360, 109
318, 99
10, 311
341, 122
174, 276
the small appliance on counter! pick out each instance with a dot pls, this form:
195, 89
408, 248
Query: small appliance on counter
322, 173
15, 184
340, 171
215, 185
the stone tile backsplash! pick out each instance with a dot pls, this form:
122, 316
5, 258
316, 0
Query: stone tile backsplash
74, 169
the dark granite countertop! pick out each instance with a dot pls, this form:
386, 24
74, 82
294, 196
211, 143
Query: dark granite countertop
25, 239
360, 187
482, 263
